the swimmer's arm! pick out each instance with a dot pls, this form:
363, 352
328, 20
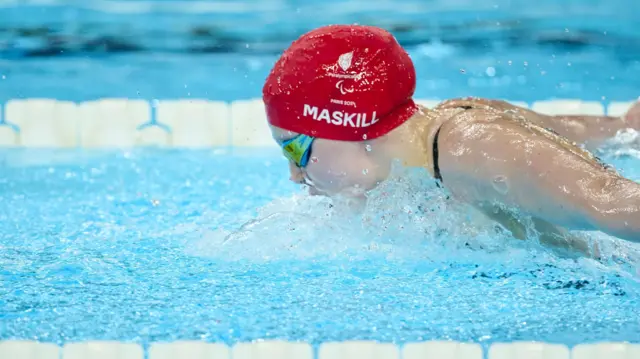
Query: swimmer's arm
487, 161
592, 131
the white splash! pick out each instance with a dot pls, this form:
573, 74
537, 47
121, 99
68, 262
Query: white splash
625, 143
406, 217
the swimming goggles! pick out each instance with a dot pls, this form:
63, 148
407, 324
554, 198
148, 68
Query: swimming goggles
298, 149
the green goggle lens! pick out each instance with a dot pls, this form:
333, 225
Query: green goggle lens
298, 149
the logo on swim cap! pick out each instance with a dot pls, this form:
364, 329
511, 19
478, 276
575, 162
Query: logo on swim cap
344, 61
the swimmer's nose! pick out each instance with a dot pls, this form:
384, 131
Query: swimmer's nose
295, 174
297, 179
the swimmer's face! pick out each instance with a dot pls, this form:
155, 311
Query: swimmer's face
335, 167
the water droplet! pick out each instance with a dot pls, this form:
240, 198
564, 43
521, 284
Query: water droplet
463, 71
491, 71
4, 77
365, 171
367, 147
364, 137
526, 63
314, 159
501, 184
510, 62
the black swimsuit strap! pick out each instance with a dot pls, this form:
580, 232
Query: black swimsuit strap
436, 168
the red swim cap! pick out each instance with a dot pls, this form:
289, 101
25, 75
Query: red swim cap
341, 82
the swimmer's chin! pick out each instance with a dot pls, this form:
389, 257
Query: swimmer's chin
350, 192
352, 199
316, 192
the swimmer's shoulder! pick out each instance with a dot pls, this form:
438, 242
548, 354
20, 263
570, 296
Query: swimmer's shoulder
463, 113
459, 110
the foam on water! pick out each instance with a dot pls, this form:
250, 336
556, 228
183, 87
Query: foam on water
625, 144
406, 218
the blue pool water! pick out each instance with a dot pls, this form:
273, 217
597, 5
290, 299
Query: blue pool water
154, 245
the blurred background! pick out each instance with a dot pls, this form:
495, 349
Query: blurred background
222, 50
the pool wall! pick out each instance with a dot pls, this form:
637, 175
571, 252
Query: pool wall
344, 350
182, 123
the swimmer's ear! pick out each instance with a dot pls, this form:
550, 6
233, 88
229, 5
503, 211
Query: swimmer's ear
376, 161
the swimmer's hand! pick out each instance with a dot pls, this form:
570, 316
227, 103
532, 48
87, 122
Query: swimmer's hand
488, 158
632, 117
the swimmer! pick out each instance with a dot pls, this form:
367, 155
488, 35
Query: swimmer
339, 102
